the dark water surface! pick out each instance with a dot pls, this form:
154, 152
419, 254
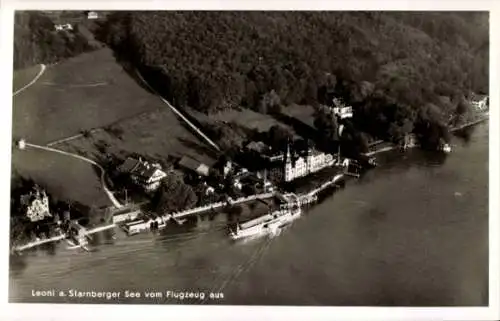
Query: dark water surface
413, 232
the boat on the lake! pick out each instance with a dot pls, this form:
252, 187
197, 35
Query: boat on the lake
266, 224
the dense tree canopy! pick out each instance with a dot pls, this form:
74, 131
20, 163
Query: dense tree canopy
174, 195
215, 60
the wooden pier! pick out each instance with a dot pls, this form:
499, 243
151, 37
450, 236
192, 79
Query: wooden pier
62, 236
312, 195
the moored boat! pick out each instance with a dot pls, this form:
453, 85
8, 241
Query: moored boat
266, 224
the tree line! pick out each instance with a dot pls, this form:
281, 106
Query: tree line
392, 67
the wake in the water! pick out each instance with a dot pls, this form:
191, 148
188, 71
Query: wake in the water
242, 267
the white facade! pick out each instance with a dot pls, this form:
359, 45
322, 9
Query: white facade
480, 103
148, 175
154, 181
140, 225
340, 109
121, 217
39, 207
66, 26
304, 166
92, 15
343, 112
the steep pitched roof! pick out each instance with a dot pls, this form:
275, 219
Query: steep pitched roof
129, 165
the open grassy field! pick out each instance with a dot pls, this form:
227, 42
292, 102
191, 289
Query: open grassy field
84, 92
244, 117
23, 76
157, 134
64, 177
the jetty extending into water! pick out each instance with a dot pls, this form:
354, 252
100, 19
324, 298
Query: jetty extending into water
30, 245
312, 196
84, 233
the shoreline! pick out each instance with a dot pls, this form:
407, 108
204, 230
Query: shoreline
305, 198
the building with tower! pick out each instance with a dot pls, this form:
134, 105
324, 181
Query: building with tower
36, 204
296, 166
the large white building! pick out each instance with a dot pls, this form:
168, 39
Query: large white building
300, 166
36, 204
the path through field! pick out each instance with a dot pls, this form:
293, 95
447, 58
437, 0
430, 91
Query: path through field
34, 80
110, 195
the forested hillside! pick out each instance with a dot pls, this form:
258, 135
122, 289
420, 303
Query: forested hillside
401, 71
36, 40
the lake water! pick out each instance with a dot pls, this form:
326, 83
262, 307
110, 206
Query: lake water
412, 232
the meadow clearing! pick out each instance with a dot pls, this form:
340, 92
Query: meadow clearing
66, 178
92, 91
82, 93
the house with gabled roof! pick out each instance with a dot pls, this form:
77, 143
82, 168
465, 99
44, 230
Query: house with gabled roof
146, 174
479, 102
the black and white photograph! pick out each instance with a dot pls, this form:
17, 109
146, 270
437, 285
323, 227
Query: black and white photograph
308, 158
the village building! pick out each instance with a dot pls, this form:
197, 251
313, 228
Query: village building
224, 166
61, 27
78, 233
126, 214
296, 166
194, 166
147, 175
265, 184
209, 190
409, 141
480, 102
36, 204
92, 15
340, 109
